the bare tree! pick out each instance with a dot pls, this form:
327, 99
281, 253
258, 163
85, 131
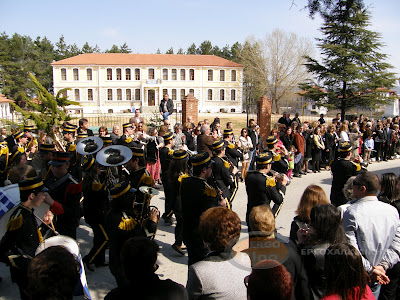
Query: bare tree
275, 65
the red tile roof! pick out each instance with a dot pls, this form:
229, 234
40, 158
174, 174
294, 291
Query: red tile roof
147, 59
3, 99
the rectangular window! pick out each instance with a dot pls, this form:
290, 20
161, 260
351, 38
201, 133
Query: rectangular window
191, 91
210, 75
221, 75
182, 94
137, 94
173, 74
76, 92
183, 74
233, 75
109, 75
128, 94
164, 91
76, 74
137, 74
233, 95
64, 94
109, 94
222, 95
151, 73
128, 74
165, 74
191, 74
173, 94
63, 74
209, 94
119, 94
119, 74
90, 94
89, 74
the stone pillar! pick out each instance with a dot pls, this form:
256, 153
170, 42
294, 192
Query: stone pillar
264, 117
190, 107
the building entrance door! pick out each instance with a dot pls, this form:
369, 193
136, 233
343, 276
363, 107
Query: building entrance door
151, 96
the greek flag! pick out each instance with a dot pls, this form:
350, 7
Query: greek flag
9, 197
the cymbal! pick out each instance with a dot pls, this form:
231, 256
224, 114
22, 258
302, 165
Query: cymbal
148, 190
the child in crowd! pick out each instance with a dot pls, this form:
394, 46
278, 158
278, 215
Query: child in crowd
369, 146
292, 150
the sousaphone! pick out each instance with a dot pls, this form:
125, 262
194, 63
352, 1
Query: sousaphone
114, 155
89, 145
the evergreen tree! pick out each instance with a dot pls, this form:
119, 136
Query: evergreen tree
180, 51
192, 49
124, 48
113, 49
205, 48
170, 51
352, 68
158, 51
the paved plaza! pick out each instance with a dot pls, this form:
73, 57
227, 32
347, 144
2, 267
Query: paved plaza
174, 266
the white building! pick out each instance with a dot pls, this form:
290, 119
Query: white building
116, 82
5, 108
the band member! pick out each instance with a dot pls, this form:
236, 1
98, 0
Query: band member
41, 162
262, 188
11, 142
165, 158
64, 195
197, 196
121, 226
95, 208
69, 132
342, 169
127, 138
223, 175
177, 171
231, 150
32, 143
280, 162
23, 236
107, 141
4, 161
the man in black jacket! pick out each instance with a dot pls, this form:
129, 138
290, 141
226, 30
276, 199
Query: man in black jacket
166, 107
84, 127
251, 130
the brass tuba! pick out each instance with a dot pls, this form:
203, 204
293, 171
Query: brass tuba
145, 208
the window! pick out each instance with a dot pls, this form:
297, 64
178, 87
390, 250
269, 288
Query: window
233, 95
137, 74
109, 75
222, 95
90, 94
191, 74
64, 94
128, 94
182, 94
191, 91
127, 74
173, 96
210, 75
89, 74
151, 73
63, 74
221, 75
165, 74
164, 91
173, 74
137, 94
110, 111
76, 74
183, 74
119, 76
109, 94
209, 94
233, 75
76, 92
119, 94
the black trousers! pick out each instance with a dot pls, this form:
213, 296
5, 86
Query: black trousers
391, 291
169, 203
100, 241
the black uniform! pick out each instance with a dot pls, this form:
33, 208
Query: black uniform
224, 178
232, 153
137, 179
165, 158
95, 208
261, 190
21, 240
66, 193
342, 170
280, 163
196, 197
75, 163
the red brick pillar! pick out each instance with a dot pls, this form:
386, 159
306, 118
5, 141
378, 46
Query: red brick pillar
264, 116
190, 107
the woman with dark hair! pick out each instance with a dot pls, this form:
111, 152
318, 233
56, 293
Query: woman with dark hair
246, 145
330, 144
388, 191
178, 169
103, 131
317, 147
325, 229
152, 156
218, 276
379, 140
312, 196
287, 138
345, 274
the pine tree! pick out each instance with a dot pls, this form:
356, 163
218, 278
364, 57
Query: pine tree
49, 111
352, 69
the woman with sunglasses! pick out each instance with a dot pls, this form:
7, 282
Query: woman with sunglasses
246, 143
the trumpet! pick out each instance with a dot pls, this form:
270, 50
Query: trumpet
56, 139
281, 177
148, 192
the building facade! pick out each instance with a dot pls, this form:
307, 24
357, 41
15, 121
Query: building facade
116, 82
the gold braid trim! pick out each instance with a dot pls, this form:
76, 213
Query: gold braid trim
15, 223
96, 186
231, 146
40, 236
277, 157
127, 225
226, 164
182, 176
128, 140
209, 191
270, 182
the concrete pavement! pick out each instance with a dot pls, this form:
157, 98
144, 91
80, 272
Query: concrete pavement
172, 265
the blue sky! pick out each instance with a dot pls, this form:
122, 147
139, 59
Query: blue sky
148, 25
